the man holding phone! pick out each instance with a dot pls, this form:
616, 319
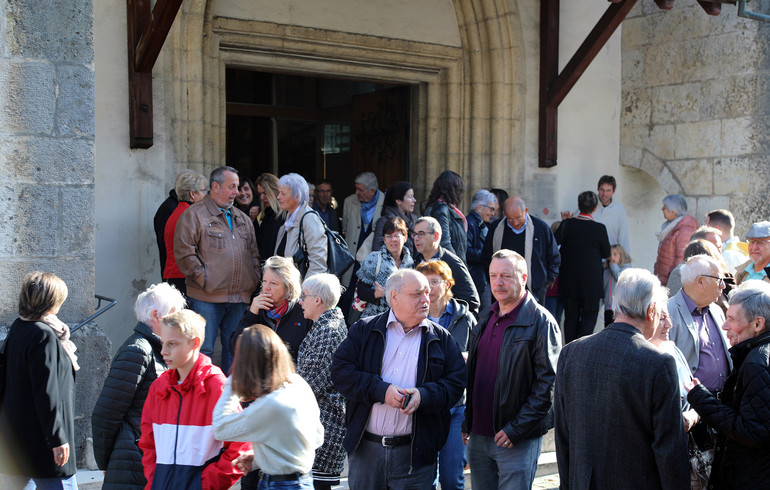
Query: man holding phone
401, 374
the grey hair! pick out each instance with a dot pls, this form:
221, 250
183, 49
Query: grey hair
482, 197
698, 265
636, 291
754, 296
325, 286
162, 297
284, 268
367, 179
396, 281
189, 182
433, 224
519, 263
298, 186
676, 203
218, 174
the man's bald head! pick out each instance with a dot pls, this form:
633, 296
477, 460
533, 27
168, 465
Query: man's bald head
516, 212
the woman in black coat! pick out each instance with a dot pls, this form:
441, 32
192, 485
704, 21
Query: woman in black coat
399, 203
277, 305
742, 416
443, 204
117, 416
270, 217
584, 244
37, 421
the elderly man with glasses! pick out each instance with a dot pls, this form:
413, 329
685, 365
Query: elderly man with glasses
759, 254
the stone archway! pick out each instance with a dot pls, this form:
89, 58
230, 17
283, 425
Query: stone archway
468, 110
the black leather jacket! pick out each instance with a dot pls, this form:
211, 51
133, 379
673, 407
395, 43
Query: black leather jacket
453, 235
525, 375
742, 418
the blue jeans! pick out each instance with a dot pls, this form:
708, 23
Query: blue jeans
502, 468
451, 457
375, 467
301, 484
70, 483
222, 318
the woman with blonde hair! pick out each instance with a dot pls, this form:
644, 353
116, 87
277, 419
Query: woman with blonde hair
37, 419
282, 421
270, 217
277, 305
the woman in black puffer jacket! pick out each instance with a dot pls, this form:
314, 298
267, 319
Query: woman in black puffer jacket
116, 419
742, 418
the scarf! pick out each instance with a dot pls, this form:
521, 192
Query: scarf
277, 313
460, 214
666, 228
367, 209
63, 333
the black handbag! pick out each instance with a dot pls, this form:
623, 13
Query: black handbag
338, 256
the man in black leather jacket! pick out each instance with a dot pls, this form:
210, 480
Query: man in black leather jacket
511, 372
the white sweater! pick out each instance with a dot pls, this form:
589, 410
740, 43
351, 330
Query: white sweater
284, 426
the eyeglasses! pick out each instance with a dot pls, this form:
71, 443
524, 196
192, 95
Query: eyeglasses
303, 296
758, 241
422, 234
436, 282
720, 280
393, 236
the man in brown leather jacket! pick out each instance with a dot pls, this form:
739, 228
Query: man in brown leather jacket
216, 249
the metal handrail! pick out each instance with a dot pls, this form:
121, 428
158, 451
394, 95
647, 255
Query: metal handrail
112, 301
742, 12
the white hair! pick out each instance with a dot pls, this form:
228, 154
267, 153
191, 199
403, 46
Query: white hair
367, 179
482, 197
698, 265
636, 291
162, 297
754, 297
396, 281
325, 286
298, 186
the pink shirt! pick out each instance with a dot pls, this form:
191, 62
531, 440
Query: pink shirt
399, 367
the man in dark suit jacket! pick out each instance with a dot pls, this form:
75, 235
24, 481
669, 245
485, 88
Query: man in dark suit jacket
531, 238
617, 406
427, 236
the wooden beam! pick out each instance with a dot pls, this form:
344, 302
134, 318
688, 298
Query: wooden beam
587, 51
549, 70
139, 84
154, 35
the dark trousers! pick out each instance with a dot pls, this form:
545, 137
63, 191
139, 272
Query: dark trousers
579, 317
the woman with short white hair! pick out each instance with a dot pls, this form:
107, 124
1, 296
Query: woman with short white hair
741, 415
674, 235
118, 411
293, 195
319, 298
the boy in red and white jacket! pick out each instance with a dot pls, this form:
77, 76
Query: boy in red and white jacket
179, 450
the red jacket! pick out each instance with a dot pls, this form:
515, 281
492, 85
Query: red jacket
671, 249
171, 271
179, 450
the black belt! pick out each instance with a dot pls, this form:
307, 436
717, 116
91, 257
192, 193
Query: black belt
388, 441
289, 477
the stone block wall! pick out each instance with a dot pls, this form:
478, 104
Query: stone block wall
47, 127
695, 106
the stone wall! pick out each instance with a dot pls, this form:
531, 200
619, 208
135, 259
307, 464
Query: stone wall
695, 106
47, 128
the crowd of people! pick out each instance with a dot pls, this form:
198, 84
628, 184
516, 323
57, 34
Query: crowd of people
442, 346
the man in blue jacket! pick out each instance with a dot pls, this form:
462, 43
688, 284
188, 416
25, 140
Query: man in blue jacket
400, 374
531, 238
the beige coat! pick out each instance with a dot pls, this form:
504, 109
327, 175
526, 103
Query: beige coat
312, 234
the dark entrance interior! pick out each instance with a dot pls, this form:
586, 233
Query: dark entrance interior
317, 127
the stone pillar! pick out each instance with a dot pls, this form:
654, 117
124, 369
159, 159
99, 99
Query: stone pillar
695, 107
47, 160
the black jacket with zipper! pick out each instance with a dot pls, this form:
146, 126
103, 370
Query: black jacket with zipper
440, 379
526, 371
